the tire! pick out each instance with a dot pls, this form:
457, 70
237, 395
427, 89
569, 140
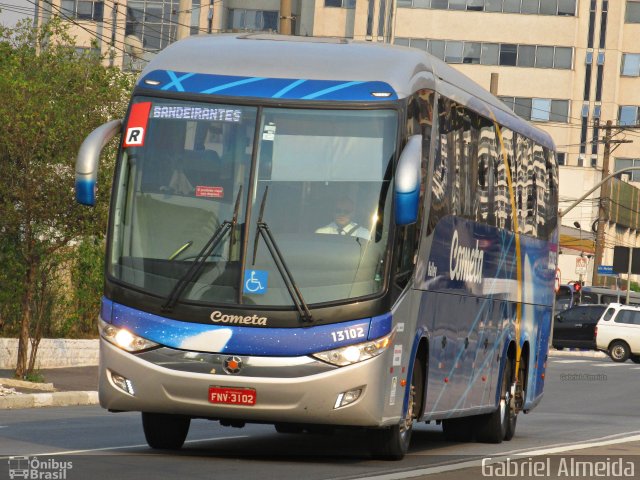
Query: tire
393, 443
164, 431
494, 427
635, 358
619, 351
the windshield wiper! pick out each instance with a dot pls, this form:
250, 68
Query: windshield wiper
278, 259
196, 267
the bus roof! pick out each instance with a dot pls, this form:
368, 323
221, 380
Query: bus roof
404, 69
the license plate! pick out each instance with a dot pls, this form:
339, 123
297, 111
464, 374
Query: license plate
232, 396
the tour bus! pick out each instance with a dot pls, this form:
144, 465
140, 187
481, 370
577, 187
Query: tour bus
232, 294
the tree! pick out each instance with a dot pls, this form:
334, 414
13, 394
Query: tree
51, 97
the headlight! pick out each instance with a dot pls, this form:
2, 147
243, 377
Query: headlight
123, 338
355, 353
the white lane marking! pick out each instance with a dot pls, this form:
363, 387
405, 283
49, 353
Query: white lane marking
105, 449
502, 456
571, 361
604, 365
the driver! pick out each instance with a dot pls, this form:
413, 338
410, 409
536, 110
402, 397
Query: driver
342, 223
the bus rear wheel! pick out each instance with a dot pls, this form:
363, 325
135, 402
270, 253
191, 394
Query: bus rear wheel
495, 427
393, 443
164, 431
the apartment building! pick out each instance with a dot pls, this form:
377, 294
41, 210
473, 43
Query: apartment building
569, 66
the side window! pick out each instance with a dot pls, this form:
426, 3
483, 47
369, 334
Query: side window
635, 318
592, 315
442, 176
525, 186
588, 297
608, 314
551, 192
487, 160
503, 195
624, 316
572, 315
419, 121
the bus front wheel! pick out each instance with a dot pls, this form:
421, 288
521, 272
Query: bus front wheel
165, 432
393, 443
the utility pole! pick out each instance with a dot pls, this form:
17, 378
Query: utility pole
603, 204
114, 24
602, 210
210, 17
285, 17
184, 19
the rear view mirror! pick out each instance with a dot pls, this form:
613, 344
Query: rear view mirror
88, 158
407, 182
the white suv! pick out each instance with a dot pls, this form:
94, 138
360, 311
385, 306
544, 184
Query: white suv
618, 332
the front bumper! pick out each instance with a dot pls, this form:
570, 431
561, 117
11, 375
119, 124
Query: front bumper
306, 399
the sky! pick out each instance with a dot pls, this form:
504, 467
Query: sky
13, 10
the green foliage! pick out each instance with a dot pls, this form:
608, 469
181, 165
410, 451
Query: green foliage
51, 97
634, 287
87, 274
35, 376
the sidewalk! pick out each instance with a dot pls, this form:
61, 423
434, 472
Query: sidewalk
61, 387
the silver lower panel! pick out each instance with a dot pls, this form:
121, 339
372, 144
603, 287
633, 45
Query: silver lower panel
308, 399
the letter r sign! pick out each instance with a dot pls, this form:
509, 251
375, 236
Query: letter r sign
134, 137
137, 125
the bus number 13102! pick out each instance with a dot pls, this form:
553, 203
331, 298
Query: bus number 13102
348, 334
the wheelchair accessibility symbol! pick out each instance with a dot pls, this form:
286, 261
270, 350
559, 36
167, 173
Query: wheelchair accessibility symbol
255, 282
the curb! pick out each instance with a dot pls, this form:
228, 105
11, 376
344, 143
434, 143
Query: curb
577, 353
56, 399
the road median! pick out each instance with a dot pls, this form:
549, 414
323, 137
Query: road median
51, 399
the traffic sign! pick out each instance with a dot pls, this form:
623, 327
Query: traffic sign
606, 270
581, 265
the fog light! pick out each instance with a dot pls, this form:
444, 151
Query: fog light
345, 398
122, 383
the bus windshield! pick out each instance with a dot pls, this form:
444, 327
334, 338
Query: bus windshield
318, 182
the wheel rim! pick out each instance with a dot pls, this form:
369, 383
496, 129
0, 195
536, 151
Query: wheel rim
406, 425
617, 352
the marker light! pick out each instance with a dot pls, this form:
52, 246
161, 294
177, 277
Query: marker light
381, 94
152, 82
123, 338
351, 354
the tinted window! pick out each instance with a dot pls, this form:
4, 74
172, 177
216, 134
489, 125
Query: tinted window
575, 315
590, 298
593, 314
628, 316
608, 314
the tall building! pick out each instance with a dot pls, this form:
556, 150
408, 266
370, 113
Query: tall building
569, 66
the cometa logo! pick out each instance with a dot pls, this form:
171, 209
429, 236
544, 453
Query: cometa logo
218, 317
465, 263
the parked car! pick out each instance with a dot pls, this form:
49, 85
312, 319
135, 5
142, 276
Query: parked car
618, 332
575, 327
